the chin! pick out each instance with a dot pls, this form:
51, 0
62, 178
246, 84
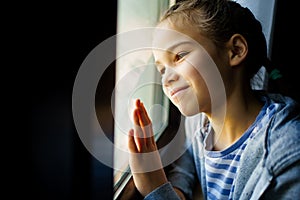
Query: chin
188, 110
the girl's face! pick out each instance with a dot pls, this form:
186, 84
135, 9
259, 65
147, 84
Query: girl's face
185, 67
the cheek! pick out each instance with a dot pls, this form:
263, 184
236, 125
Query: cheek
166, 91
199, 87
201, 62
203, 72
191, 75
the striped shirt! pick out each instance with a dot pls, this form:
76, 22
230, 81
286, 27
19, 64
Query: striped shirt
221, 166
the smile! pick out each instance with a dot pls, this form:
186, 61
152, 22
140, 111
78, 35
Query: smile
177, 90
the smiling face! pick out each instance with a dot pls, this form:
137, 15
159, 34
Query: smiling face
185, 67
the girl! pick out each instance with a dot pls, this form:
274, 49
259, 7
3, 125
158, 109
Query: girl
245, 144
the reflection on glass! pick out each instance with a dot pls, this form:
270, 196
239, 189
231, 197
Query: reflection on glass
136, 77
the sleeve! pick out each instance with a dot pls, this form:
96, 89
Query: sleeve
284, 155
163, 192
182, 174
286, 185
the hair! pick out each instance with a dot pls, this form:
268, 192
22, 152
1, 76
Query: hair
218, 20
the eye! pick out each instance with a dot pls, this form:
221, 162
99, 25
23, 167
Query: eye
161, 69
180, 56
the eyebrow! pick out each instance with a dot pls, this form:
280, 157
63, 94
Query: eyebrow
174, 46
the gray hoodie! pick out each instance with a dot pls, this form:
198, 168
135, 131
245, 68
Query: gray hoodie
269, 167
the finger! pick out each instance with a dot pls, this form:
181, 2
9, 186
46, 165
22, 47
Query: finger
143, 129
137, 103
143, 133
146, 125
144, 118
136, 119
137, 126
131, 142
144, 121
138, 132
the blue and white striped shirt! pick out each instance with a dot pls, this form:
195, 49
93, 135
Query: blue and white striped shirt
221, 166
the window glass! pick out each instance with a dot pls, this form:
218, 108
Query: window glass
136, 77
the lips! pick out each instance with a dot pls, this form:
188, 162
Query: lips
177, 90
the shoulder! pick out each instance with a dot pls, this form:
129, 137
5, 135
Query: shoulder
283, 134
282, 110
285, 117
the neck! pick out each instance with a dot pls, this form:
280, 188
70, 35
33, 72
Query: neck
241, 111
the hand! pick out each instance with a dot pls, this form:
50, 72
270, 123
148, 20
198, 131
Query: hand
144, 161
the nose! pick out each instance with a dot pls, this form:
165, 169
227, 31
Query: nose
170, 75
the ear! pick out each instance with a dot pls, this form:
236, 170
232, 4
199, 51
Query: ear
238, 49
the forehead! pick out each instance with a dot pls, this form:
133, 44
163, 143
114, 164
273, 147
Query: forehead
167, 35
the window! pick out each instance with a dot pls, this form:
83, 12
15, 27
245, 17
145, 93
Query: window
136, 77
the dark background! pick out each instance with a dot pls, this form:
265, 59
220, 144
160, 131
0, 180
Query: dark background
285, 51
58, 37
